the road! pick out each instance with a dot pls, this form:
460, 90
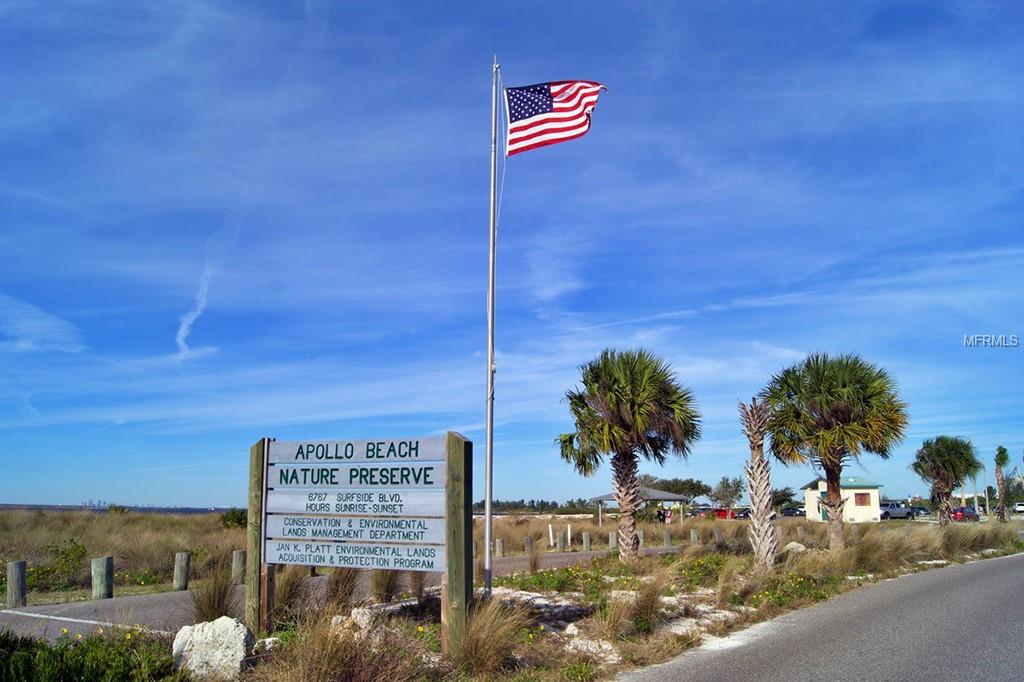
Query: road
954, 623
166, 612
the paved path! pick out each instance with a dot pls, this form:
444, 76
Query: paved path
168, 611
955, 623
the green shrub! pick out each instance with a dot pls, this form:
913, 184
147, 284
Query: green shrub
117, 509
235, 518
62, 572
99, 658
702, 570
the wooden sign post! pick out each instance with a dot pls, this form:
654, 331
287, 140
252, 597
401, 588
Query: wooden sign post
399, 504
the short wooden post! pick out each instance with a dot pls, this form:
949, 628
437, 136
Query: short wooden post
569, 527
586, 542
800, 533
182, 563
667, 534
476, 550
458, 595
257, 580
560, 545
103, 577
238, 567
719, 538
613, 540
695, 536
640, 534
528, 545
499, 547
17, 595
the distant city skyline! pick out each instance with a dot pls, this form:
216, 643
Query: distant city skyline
223, 221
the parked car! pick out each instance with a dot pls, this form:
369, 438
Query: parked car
1018, 508
722, 513
895, 510
921, 511
743, 513
792, 511
965, 514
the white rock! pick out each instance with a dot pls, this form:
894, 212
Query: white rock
933, 562
267, 645
598, 648
622, 595
682, 626
571, 630
213, 651
363, 618
794, 547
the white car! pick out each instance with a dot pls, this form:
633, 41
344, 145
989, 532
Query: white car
1018, 508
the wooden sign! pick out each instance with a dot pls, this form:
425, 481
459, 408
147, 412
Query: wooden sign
395, 504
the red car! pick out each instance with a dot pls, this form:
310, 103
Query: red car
965, 514
725, 514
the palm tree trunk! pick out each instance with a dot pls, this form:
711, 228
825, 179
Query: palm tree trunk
761, 531
833, 504
1001, 510
945, 505
627, 495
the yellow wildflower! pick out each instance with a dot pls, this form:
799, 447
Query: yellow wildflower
128, 636
63, 631
420, 628
78, 636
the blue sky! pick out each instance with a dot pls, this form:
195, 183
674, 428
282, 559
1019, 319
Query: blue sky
228, 220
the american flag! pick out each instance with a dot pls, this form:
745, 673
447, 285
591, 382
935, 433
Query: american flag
548, 113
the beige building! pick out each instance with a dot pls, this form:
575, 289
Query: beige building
861, 495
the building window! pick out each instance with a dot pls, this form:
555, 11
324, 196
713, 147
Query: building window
862, 499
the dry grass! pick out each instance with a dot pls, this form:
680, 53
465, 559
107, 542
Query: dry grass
341, 587
138, 542
322, 653
289, 595
384, 585
657, 648
417, 580
492, 634
646, 610
214, 595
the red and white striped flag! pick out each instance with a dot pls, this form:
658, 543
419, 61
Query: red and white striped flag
548, 113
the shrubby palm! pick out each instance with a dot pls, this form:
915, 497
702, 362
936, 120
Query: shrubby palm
945, 462
630, 406
828, 411
1002, 459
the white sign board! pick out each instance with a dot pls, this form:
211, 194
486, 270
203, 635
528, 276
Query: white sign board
430, 449
356, 503
355, 528
356, 555
362, 475
364, 502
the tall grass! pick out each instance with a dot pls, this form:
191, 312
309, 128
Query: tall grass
384, 585
341, 587
140, 543
490, 638
289, 595
213, 596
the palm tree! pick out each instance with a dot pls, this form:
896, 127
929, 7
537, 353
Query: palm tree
630, 406
1002, 459
754, 418
945, 462
828, 411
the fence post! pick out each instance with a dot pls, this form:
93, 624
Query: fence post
613, 540
528, 544
668, 537
103, 577
259, 582
695, 536
586, 542
16, 592
457, 595
719, 538
499, 547
238, 567
800, 533
560, 546
640, 534
182, 562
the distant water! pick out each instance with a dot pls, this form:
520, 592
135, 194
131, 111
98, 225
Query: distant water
98, 510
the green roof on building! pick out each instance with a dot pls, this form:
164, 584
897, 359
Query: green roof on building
846, 482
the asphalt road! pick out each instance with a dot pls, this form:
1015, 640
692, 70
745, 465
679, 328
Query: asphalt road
959, 622
167, 612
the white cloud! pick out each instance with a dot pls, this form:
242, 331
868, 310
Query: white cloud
27, 328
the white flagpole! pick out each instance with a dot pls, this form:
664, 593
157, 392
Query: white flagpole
488, 462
